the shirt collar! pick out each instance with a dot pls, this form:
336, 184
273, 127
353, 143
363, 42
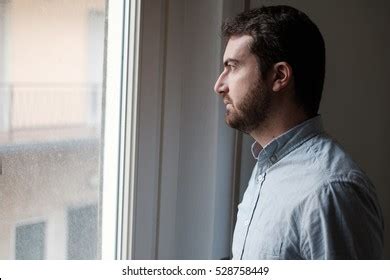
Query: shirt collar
288, 141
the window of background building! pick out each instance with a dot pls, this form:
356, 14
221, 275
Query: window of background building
30, 241
82, 232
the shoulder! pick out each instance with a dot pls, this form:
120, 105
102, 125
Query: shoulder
341, 192
331, 158
327, 162
318, 166
331, 219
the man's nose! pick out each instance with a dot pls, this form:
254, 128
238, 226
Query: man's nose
220, 86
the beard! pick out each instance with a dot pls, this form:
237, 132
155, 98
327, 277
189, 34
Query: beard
251, 111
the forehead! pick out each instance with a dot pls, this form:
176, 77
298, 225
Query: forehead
238, 47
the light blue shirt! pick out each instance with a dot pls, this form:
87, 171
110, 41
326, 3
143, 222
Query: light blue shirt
307, 199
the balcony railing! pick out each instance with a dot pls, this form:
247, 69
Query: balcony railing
49, 106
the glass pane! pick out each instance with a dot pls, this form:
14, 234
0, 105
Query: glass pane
30, 242
82, 233
51, 73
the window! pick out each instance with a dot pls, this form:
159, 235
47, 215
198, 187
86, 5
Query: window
51, 86
30, 241
68, 81
82, 233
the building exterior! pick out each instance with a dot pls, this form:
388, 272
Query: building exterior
50, 109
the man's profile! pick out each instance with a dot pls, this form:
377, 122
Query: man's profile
306, 198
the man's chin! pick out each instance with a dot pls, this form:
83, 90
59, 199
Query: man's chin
237, 124
233, 123
229, 121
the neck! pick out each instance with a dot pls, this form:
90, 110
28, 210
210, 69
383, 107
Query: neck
276, 125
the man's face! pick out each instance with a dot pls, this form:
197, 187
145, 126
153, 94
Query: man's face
241, 86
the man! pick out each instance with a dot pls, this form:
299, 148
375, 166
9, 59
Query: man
306, 198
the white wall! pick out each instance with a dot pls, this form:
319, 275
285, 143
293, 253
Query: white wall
186, 159
205, 174
4, 18
355, 99
171, 130
202, 189
4, 98
65, 55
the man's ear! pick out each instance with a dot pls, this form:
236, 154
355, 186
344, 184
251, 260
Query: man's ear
280, 76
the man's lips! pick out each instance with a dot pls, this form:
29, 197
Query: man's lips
228, 105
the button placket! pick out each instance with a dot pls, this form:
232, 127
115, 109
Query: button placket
259, 180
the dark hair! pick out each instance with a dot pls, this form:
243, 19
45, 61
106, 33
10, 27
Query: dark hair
282, 33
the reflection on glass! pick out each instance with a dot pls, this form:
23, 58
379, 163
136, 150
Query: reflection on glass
51, 72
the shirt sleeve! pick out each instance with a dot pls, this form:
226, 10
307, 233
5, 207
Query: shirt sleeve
341, 220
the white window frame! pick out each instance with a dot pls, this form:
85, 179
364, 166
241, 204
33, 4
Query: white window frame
120, 131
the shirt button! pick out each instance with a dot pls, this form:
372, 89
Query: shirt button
246, 223
259, 178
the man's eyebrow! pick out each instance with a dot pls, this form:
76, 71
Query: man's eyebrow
230, 60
